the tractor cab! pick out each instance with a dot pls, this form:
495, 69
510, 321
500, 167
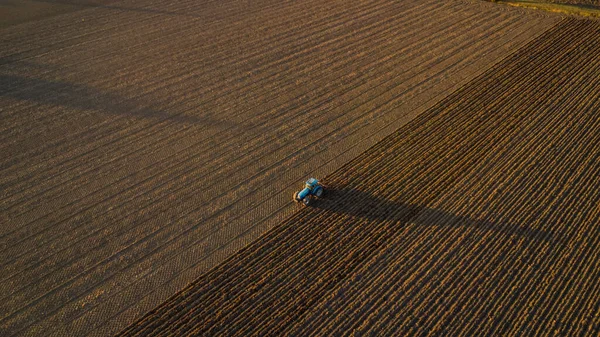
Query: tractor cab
311, 184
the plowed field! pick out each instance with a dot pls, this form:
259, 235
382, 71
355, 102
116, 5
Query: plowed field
142, 142
479, 217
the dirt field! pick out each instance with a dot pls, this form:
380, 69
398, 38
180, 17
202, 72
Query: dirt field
480, 217
14, 12
595, 3
144, 143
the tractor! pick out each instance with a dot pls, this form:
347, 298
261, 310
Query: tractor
312, 189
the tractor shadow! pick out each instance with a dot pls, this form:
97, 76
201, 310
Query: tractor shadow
364, 205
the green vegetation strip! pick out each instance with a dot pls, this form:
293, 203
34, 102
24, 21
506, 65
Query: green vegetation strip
571, 9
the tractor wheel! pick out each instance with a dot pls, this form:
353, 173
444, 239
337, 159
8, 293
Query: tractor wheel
319, 192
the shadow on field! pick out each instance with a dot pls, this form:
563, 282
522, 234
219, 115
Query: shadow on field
83, 97
365, 205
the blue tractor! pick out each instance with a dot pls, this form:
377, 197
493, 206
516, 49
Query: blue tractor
311, 190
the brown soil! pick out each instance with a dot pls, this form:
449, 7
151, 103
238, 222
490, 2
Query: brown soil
14, 12
144, 142
479, 217
592, 3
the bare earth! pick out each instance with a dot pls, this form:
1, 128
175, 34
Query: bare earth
144, 143
13, 12
478, 218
